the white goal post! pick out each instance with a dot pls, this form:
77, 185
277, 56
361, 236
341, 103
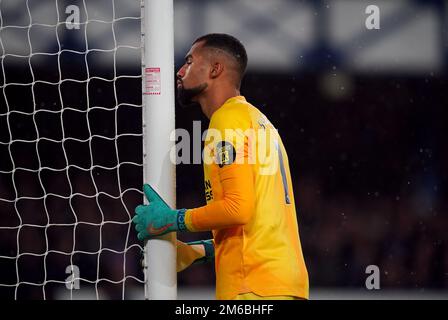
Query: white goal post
86, 111
158, 31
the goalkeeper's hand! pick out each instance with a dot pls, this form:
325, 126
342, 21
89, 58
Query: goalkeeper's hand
195, 252
157, 218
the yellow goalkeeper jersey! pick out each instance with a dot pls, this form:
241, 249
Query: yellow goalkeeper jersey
250, 206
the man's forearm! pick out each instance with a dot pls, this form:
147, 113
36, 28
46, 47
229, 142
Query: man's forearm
195, 252
209, 250
236, 208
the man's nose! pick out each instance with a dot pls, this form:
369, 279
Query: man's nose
180, 73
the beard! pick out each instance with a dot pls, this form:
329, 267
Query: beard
186, 96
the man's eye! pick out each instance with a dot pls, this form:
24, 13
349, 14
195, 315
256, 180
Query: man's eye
189, 62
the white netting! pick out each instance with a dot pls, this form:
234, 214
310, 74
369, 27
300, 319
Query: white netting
70, 149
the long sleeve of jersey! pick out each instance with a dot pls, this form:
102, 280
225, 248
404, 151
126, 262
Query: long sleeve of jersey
231, 175
234, 209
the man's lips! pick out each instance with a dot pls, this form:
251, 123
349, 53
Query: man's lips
179, 83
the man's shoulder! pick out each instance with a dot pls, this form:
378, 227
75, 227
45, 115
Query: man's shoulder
235, 112
239, 113
237, 109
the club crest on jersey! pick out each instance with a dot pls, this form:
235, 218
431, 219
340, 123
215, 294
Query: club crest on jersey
225, 153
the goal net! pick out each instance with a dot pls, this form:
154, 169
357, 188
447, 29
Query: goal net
70, 149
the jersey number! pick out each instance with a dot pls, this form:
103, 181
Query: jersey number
283, 172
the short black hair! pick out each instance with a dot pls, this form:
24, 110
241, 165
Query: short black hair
229, 44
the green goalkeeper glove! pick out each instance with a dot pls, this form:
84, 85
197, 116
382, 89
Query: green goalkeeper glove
157, 218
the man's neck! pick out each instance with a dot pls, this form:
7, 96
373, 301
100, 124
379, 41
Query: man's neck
214, 100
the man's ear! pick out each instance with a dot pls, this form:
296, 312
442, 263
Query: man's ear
216, 70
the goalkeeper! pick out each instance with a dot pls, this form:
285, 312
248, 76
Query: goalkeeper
250, 202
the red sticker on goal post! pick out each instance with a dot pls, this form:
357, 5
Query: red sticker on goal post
152, 81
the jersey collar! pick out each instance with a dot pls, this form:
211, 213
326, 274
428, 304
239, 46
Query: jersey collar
234, 99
